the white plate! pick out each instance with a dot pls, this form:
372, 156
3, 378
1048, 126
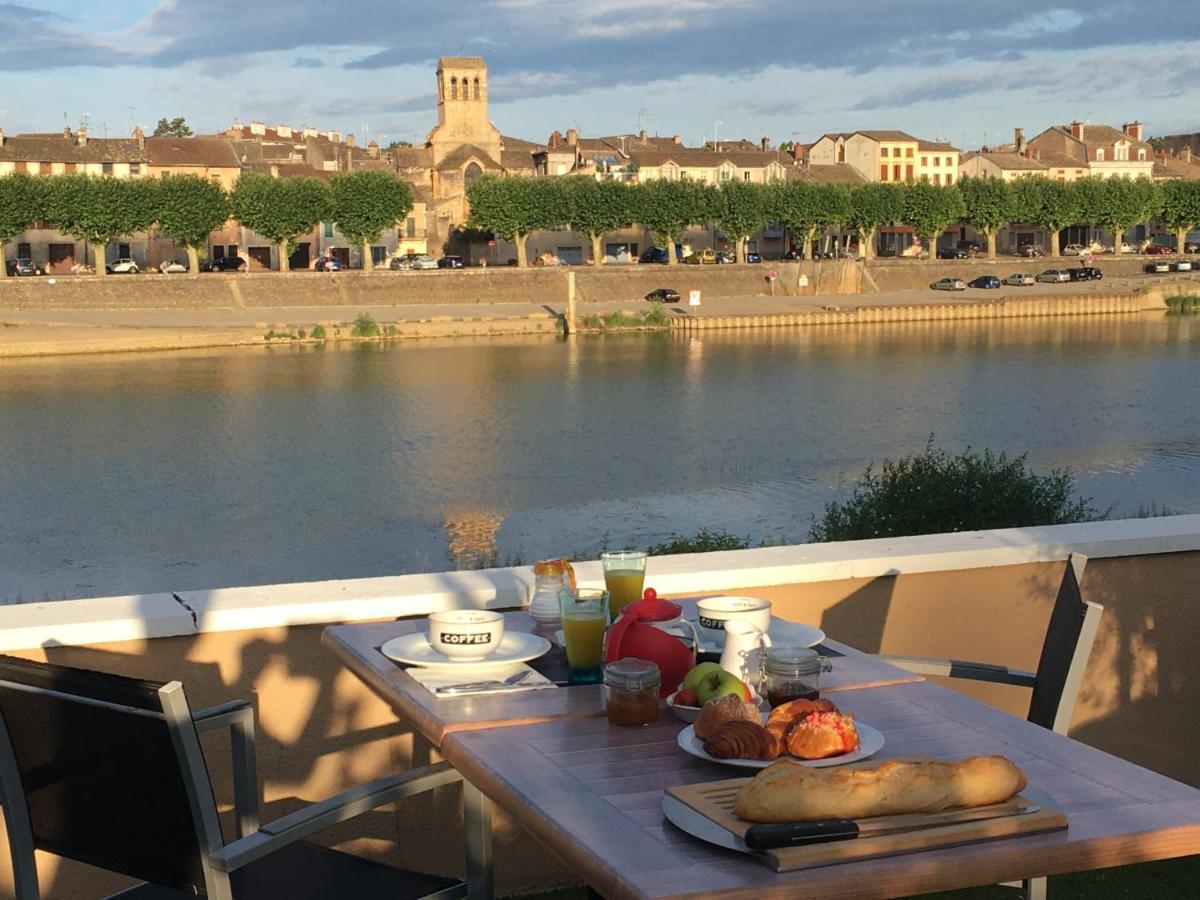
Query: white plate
870, 742
782, 633
415, 650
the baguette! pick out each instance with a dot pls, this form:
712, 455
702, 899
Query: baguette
787, 791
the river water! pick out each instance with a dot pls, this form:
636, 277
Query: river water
147, 472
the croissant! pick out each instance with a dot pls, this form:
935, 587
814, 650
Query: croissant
728, 708
743, 740
822, 734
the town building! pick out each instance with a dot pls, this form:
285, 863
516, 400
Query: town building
888, 156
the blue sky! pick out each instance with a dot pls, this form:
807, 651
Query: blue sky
736, 68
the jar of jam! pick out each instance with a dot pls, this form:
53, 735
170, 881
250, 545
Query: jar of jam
792, 673
631, 692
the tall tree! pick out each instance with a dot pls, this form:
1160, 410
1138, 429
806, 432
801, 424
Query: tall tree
741, 209
99, 209
1181, 208
20, 206
281, 209
188, 208
667, 208
871, 205
597, 207
1118, 204
987, 205
367, 204
176, 127
513, 207
1052, 205
929, 209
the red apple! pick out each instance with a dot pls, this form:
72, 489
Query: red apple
687, 697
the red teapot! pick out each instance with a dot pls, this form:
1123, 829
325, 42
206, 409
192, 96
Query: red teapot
642, 632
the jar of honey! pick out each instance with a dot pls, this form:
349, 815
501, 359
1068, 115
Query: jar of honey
792, 673
631, 692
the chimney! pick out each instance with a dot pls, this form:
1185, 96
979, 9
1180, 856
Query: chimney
1185, 153
1029, 153
284, 131
675, 138
66, 132
1, 137
1077, 130
258, 128
1133, 129
572, 137
642, 136
766, 143
139, 136
335, 137
1019, 140
350, 140
81, 136
373, 150
555, 139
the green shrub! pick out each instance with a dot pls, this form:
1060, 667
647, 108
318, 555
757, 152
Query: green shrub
934, 492
274, 335
657, 315
365, 326
318, 333
1183, 304
703, 541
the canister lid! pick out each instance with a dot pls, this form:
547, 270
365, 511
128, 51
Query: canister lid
632, 674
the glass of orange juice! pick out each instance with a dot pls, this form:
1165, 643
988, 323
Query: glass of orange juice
624, 575
584, 619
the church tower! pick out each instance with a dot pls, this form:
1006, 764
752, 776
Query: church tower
462, 92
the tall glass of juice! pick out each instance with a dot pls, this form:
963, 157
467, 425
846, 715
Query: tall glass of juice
624, 576
584, 620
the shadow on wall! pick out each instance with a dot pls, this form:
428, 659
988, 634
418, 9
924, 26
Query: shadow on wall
863, 615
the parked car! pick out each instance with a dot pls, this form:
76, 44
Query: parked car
1156, 250
753, 257
1085, 273
953, 253
971, 247
171, 267
1184, 265
225, 264
23, 265
985, 281
705, 257
1054, 276
949, 284
726, 257
794, 253
1156, 268
1029, 251
422, 261
1191, 247
401, 263
450, 262
328, 264
1020, 279
122, 266
663, 295
1126, 247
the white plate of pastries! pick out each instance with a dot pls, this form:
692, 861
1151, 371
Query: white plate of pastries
812, 732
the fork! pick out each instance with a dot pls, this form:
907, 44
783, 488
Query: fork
484, 685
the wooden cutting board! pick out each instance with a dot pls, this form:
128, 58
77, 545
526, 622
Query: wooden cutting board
714, 800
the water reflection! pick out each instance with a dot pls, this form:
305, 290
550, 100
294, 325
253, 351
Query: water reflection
192, 470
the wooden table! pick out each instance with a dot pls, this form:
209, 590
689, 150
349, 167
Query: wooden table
592, 793
435, 718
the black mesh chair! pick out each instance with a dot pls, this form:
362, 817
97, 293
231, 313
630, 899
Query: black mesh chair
1055, 685
109, 771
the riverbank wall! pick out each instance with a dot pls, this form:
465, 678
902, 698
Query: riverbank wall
606, 284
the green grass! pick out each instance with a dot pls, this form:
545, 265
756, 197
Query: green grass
365, 326
274, 335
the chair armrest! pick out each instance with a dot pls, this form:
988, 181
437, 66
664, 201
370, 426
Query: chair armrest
238, 717
324, 813
957, 668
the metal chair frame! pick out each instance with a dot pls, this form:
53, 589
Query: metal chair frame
254, 841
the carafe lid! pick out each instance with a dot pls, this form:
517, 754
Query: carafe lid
632, 674
651, 608
559, 567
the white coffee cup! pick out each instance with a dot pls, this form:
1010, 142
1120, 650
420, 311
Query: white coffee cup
466, 633
713, 612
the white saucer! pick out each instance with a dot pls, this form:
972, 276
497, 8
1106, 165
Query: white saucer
782, 633
415, 650
870, 742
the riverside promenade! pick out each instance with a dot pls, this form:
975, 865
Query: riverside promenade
40, 329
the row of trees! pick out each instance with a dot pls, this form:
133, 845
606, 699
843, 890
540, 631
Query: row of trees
514, 207
187, 208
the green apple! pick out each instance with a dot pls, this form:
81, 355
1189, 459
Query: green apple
718, 684
693, 678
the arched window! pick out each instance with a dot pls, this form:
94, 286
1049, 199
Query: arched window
453, 88
841, 153
471, 174
475, 95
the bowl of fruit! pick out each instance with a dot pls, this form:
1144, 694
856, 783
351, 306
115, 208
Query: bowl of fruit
706, 682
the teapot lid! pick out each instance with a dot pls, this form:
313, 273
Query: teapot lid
651, 608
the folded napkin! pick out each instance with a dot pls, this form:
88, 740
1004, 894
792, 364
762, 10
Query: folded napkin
432, 679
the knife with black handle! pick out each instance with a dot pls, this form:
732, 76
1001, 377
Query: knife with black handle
795, 834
